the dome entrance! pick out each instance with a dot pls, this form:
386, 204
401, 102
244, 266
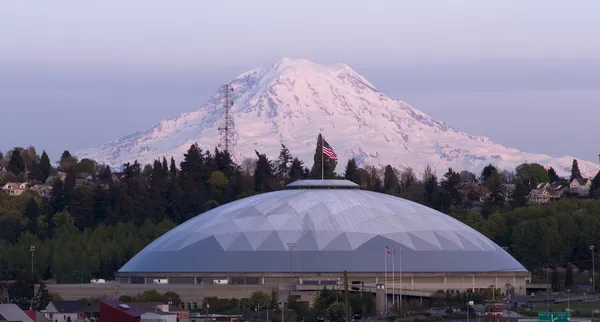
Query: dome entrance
322, 184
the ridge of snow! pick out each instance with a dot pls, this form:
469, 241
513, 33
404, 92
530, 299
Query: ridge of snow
293, 100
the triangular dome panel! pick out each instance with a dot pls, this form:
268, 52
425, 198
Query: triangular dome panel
272, 243
323, 238
468, 243
358, 239
279, 221
308, 242
448, 241
290, 236
401, 238
225, 240
253, 223
257, 238
240, 244
192, 239
424, 241
340, 243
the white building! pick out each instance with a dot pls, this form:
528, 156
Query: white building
158, 317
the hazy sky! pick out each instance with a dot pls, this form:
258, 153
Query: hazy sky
76, 74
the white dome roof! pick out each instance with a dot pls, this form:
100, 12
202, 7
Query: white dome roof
331, 226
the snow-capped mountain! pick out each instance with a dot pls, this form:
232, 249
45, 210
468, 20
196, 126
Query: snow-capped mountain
295, 99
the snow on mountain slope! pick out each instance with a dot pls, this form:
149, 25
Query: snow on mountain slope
295, 99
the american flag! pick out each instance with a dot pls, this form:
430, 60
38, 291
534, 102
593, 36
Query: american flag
387, 250
328, 151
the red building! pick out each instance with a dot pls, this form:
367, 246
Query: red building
111, 311
493, 311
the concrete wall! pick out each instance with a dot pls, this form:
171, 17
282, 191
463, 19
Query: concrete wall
416, 284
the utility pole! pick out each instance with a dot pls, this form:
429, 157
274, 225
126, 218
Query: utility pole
32, 250
593, 269
347, 308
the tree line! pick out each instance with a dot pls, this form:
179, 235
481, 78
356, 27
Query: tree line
83, 231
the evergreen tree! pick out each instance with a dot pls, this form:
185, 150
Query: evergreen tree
296, 170
351, 172
67, 161
35, 172
42, 297
81, 207
431, 188
263, 174
449, 187
193, 197
494, 185
555, 280
173, 170
45, 166
487, 172
105, 174
552, 175
56, 198
328, 164
283, 163
165, 167
569, 276
575, 173
390, 180
16, 164
595, 189
31, 212
69, 187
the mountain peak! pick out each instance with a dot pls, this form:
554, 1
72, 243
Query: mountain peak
293, 100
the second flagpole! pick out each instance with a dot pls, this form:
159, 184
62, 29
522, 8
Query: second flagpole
322, 160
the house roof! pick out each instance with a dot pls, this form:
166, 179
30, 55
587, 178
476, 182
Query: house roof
130, 309
70, 306
580, 181
11, 312
14, 185
37, 316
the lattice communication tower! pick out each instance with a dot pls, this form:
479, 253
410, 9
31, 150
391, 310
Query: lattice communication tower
227, 125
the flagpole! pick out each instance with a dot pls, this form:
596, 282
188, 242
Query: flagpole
322, 160
393, 279
385, 281
401, 278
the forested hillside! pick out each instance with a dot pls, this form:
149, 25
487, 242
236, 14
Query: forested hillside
95, 218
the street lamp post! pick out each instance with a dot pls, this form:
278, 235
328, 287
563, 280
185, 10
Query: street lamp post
291, 246
547, 287
593, 269
32, 250
207, 307
569, 300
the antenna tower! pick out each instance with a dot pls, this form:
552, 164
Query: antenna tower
227, 126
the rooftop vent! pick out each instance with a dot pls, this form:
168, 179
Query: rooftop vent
124, 306
323, 184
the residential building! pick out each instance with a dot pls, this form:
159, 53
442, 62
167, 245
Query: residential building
580, 187
11, 312
75, 310
37, 316
44, 190
539, 196
118, 176
15, 188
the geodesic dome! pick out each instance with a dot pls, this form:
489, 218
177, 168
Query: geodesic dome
330, 226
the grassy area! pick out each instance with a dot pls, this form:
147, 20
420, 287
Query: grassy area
580, 306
